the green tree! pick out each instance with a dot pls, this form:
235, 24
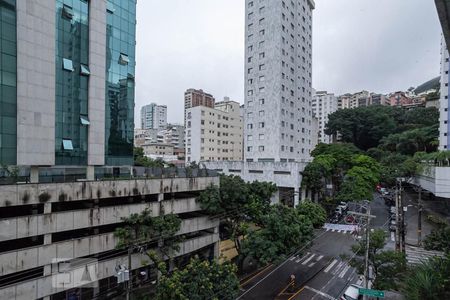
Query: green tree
359, 184
363, 126
318, 172
282, 231
200, 280
314, 212
438, 239
429, 280
237, 203
139, 230
388, 266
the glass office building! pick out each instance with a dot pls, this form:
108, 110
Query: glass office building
120, 70
67, 82
8, 82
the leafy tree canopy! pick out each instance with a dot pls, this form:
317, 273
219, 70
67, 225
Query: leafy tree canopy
200, 280
366, 126
314, 212
429, 280
438, 240
282, 231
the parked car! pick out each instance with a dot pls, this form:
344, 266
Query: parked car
343, 205
352, 293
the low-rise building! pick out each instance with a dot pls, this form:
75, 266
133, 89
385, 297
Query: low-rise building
57, 239
214, 134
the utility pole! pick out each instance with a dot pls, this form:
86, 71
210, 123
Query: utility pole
129, 273
366, 268
366, 262
419, 220
403, 231
397, 219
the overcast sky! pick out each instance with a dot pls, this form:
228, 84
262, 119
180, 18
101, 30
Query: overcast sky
377, 45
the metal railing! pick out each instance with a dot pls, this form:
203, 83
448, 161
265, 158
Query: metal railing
21, 175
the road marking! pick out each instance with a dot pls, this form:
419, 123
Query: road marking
307, 261
319, 292
338, 268
292, 258
332, 230
344, 271
298, 260
330, 266
320, 257
251, 278
298, 292
311, 264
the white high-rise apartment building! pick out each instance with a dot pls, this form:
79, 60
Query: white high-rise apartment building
278, 55
153, 116
214, 134
323, 104
444, 126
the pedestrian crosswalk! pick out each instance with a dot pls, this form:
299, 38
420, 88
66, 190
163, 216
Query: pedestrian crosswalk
335, 267
338, 268
416, 255
340, 228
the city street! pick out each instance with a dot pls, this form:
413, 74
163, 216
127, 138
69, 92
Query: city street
320, 273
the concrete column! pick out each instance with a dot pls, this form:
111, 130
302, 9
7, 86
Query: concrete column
296, 195
34, 174
303, 191
90, 173
216, 245
47, 239
47, 208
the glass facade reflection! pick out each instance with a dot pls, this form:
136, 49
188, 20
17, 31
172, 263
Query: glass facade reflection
8, 85
72, 51
120, 70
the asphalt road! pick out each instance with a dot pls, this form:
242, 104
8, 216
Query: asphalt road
320, 273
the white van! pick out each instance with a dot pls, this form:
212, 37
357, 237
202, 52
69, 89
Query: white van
352, 293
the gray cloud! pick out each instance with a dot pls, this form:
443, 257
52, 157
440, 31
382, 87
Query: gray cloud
381, 45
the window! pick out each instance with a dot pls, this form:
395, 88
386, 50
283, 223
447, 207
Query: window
85, 70
250, 103
249, 71
68, 65
262, 32
250, 114
250, 48
261, 113
261, 124
262, 67
261, 148
202, 122
262, 89
123, 59
249, 137
249, 126
261, 10
262, 55
250, 16
189, 124
110, 7
84, 120
67, 145
261, 137
261, 44
67, 12
250, 37
250, 148
250, 93
261, 101
250, 4
250, 59
261, 21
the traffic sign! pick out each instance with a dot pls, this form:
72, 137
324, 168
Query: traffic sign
373, 293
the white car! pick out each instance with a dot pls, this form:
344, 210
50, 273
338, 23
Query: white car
352, 293
343, 205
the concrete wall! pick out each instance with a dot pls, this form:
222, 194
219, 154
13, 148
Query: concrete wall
16, 261
97, 65
36, 82
41, 287
435, 180
281, 174
56, 192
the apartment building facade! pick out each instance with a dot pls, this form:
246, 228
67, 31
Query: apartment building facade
153, 116
323, 104
278, 57
193, 98
67, 88
444, 114
214, 134
57, 240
